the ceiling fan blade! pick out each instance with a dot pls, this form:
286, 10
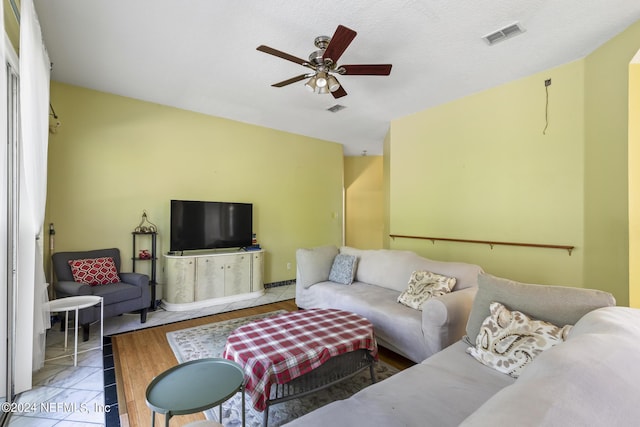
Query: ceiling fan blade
280, 54
291, 80
341, 39
367, 70
339, 93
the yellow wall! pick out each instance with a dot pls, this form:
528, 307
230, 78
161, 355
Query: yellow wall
606, 164
386, 189
11, 26
481, 168
634, 182
364, 202
114, 157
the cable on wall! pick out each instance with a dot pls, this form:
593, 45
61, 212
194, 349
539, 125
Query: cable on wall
547, 83
54, 121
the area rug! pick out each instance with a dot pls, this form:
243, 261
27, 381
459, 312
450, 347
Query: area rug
209, 340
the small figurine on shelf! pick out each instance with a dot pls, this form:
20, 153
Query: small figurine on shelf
145, 225
254, 244
144, 254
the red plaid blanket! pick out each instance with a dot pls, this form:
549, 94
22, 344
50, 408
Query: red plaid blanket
280, 348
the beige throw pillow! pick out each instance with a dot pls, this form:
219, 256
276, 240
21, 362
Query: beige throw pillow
509, 340
424, 285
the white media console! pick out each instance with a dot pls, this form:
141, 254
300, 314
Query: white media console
203, 280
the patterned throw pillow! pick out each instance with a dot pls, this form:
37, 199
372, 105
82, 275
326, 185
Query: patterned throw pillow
94, 271
424, 285
509, 340
343, 269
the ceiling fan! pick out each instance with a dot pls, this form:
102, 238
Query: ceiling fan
323, 63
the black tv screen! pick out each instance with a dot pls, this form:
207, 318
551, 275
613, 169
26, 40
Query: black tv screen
199, 225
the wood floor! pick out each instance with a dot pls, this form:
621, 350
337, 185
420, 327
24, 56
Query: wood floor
141, 355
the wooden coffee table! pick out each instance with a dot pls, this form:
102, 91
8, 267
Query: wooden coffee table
293, 354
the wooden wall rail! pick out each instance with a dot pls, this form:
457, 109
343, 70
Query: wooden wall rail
486, 242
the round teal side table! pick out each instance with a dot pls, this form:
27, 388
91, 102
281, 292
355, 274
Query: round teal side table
195, 386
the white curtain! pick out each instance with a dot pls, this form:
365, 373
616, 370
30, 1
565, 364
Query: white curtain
34, 112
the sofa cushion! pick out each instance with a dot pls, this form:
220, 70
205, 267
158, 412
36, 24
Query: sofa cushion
395, 324
94, 271
559, 305
314, 264
509, 340
343, 269
116, 293
424, 285
591, 379
392, 268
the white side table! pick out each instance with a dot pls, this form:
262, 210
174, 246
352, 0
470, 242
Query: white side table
76, 303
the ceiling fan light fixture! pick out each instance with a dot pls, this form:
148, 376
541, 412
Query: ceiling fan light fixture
324, 63
321, 79
311, 84
333, 83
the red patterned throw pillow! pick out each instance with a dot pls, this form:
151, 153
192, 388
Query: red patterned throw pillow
94, 271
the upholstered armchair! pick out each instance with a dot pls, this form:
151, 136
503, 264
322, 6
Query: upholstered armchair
77, 274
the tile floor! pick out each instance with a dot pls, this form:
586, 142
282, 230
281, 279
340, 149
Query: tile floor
68, 396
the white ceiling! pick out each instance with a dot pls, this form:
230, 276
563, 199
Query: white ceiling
200, 55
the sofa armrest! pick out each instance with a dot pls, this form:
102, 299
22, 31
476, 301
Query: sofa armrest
444, 318
136, 279
69, 288
314, 265
140, 280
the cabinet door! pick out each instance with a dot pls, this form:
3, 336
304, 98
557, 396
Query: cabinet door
257, 261
209, 278
181, 279
237, 274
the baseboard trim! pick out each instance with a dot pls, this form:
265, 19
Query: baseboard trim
283, 283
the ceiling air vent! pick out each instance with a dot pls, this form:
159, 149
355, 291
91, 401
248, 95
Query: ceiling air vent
503, 33
336, 108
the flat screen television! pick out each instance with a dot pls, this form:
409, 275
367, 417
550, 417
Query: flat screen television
197, 225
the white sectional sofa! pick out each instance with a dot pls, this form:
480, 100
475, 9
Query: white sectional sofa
380, 276
590, 379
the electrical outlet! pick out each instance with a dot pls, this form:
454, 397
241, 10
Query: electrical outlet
547, 82
288, 266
